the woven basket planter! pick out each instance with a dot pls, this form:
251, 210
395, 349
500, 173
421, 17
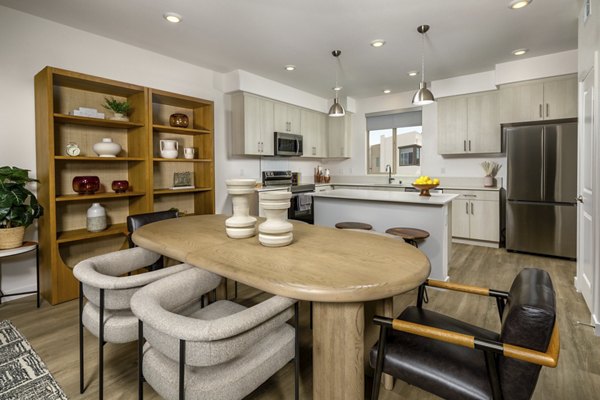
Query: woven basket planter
11, 237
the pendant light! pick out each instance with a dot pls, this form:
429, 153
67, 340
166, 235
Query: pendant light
336, 109
423, 96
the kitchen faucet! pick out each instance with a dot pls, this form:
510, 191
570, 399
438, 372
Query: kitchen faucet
388, 169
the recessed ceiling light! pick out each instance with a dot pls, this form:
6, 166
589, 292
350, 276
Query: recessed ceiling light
516, 4
386, 91
520, 52
413, 73
290, 67
337, 88
172, 17
378, 43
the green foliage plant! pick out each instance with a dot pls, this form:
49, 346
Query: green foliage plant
18, 206
121, 107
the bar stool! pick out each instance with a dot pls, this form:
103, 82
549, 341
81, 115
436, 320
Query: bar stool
410, 235
354, 225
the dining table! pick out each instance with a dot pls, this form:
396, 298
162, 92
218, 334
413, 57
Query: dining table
348, 276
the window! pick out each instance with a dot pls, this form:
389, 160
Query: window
394, 140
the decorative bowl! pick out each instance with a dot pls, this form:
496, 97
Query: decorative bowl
86, 184
425, 188
179, 120
120, 186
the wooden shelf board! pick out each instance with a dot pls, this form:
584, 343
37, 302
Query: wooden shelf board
182, 160
182, 131
106, 195
102, 123
92, 158
84, 234
175, 191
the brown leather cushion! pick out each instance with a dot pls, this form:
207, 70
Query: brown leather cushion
447, 370
528, 321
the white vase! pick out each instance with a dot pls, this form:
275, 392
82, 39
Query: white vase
96, 218
489, 181
106, 148
241, 224
169, 148
276, 231
119, 117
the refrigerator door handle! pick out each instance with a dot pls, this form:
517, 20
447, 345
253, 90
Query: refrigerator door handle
543, 182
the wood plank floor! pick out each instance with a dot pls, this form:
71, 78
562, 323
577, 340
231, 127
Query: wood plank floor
53, 333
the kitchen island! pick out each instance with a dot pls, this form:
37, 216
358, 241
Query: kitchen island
388, 209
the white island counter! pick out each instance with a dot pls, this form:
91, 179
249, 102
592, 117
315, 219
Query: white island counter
388, 209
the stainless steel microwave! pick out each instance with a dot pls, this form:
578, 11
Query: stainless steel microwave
287, 144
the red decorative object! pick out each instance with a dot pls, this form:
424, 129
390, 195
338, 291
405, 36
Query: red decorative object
86, 184
179, 120
120, 186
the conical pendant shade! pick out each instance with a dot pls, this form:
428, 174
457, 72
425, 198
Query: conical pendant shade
336, 109
423, 96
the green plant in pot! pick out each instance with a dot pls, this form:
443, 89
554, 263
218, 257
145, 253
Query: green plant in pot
18, 206
121, 109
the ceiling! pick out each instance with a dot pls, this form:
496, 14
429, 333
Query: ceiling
262, 36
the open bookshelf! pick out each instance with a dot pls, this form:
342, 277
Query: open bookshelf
64, 240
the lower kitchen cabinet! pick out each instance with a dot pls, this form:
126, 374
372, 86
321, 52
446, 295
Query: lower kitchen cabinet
476, 217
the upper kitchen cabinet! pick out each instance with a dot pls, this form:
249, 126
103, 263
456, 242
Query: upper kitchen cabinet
314, 133
553, 98
469, 124
286, 118
339, 135
252, 124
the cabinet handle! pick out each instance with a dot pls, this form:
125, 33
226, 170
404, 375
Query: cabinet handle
541, 115
469, 195
469, 144
467, 207
547, 109
465, 145
471, 208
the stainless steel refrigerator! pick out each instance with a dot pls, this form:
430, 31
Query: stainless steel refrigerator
541, 210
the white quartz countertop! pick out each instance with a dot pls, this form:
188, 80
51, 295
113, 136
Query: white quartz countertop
405, 185
436, 199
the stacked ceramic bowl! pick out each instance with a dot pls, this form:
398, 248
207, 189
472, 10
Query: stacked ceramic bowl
241, 224
276, 231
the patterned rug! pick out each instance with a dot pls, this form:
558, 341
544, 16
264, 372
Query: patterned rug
23, 374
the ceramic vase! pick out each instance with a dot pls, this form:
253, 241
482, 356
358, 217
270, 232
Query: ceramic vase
489, 181
106, 148
169, 148
96, 218
119, 117
276, 231
241, 224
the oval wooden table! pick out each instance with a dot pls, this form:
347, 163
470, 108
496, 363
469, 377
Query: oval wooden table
339, 271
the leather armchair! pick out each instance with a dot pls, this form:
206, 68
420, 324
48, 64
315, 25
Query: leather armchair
456, 360
136, 221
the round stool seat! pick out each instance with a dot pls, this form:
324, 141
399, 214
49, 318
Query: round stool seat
410, 235
354, 225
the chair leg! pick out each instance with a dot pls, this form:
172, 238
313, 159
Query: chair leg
379, 363
311, 315
181, 369
101, 348
81, 388
492, 370
140, 360
296, 353
501, 304
235, 294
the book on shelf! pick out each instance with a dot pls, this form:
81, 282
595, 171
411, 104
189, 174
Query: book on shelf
87, 112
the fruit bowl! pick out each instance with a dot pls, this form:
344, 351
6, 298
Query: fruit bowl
425, 188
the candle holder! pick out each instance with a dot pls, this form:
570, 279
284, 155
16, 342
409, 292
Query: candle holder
276, 231
241, 225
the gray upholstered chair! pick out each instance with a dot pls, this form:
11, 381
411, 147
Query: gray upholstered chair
108, 294
222, 351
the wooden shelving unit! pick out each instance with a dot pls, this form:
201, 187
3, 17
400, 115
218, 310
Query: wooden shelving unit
64, 240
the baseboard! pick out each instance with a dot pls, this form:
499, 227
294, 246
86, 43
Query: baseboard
494, 245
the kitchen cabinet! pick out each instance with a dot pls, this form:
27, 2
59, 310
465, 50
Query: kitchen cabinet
314, 133
339, 131
476, 216
252, 125
547, 99
286, 118
469, 124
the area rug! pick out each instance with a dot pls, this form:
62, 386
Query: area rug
23, 374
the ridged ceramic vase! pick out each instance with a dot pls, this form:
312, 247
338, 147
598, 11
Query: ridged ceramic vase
241, 225
276, 231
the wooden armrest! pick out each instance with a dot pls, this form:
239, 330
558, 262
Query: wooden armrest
465, 288
547, 359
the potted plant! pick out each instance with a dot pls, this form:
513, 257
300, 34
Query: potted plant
490, 168
121, 109
18, 206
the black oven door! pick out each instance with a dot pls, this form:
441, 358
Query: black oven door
301, 208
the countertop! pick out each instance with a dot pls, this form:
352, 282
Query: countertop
404, 185
436, 199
